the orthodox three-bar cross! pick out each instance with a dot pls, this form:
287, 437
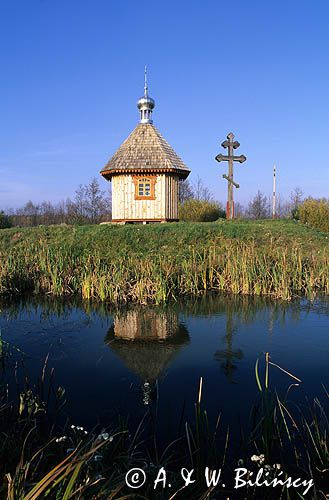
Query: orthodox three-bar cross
230, 144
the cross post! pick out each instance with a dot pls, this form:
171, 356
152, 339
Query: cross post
231, 145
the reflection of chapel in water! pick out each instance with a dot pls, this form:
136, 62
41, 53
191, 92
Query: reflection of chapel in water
147, 341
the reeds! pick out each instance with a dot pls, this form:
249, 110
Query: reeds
81, 464
230, 266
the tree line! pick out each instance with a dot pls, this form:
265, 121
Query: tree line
92, 205
259, 207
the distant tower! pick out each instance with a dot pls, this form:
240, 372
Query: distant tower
145, 172
274, 194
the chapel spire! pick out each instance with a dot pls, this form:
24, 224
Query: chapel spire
145, 104
145, 82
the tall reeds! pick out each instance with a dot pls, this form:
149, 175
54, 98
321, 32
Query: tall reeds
140, 274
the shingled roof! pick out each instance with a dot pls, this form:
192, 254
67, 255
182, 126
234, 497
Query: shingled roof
145, 150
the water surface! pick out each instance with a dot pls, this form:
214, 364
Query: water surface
114, 361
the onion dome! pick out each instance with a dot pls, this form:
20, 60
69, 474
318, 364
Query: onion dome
145, 151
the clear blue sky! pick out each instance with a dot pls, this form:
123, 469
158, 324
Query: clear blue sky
72, 71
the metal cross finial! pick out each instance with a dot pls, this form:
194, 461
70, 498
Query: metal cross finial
145, 81
145, 104
230, 144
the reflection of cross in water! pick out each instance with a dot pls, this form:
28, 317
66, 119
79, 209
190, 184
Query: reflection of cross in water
229, 355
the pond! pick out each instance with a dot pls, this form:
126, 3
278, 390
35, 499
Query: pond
122, 361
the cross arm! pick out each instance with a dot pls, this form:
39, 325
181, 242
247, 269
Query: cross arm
221, 157
231, 181
234, 144
240, 158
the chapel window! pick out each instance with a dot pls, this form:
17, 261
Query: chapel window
144, 188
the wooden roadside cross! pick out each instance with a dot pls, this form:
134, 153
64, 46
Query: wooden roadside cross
230, 144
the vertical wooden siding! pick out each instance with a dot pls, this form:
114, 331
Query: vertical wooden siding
172, 197
125, 207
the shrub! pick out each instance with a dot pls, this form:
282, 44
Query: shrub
315, 213
4, 221
200, 211
294, 213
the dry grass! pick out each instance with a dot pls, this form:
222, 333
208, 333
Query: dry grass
157, 263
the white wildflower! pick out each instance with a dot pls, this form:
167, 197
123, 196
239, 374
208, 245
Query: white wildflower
60, 439
105, 436
260, 459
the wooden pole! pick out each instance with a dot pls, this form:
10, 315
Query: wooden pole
230, 185
274, 194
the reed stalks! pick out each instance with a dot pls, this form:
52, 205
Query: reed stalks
82, 465
144, 274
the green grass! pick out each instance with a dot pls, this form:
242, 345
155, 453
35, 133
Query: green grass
144, 239
155, 263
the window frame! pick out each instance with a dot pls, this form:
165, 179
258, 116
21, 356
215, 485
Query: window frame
150, 179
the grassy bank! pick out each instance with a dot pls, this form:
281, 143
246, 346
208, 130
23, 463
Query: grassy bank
156, 263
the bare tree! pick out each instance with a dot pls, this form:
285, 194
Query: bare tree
239, 210
30, 212
296, 199
47, 213
283, 208
259, 207
80, 203
96, 202
90, 205
201, 192
185, 191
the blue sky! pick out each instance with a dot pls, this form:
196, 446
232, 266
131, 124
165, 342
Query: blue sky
72, 71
